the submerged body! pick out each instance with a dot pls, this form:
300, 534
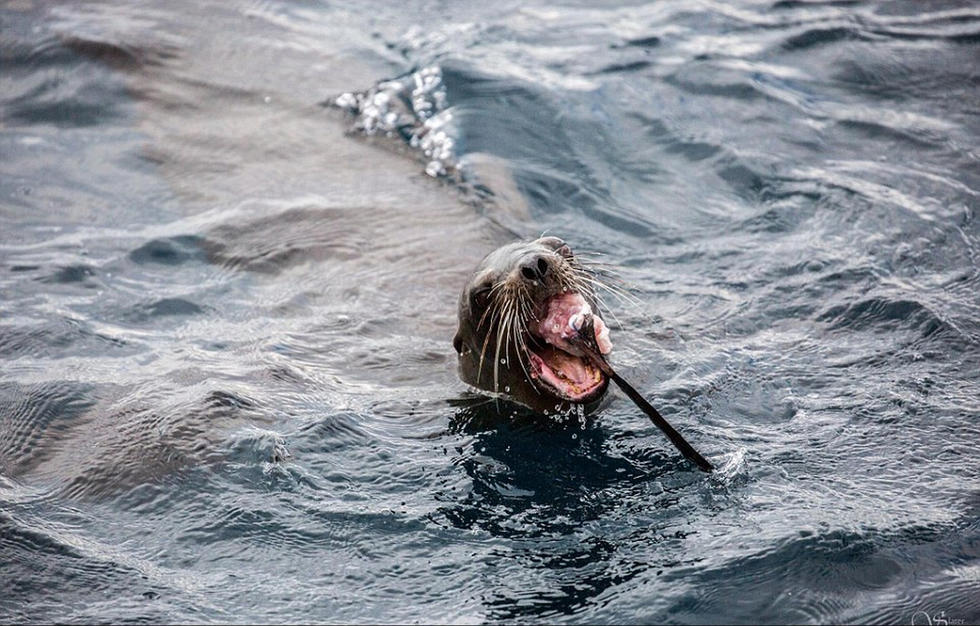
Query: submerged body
516, 315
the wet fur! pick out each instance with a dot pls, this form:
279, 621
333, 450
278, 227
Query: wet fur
498, 306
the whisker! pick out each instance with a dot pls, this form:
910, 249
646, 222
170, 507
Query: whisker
507, 323
483, 351
496, 365
484, 317
523, 311
623, 295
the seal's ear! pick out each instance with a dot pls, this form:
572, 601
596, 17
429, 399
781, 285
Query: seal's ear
458, 343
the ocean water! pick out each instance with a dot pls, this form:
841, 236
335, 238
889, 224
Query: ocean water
231, 240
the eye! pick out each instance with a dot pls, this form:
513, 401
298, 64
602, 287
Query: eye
481, 296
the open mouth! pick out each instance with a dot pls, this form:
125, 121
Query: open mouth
555, 361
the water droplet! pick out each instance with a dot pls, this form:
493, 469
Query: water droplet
503, 361
434, 169
574, 435
507, 389
346, 100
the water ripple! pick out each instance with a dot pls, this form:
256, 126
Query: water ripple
229, 391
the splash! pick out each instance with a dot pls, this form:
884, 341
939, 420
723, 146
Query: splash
412, 108
733, 468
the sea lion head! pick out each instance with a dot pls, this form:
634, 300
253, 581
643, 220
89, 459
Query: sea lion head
518, 310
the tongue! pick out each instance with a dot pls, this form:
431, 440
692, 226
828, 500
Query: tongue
563, 317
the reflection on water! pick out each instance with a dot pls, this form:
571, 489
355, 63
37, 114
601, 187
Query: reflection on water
228, 390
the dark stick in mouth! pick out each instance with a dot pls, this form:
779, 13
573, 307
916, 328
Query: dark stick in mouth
586, 341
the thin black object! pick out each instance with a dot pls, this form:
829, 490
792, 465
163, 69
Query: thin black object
587, 342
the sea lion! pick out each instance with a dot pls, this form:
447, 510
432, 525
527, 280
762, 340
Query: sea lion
518, 315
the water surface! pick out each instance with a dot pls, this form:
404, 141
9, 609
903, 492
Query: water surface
228, 391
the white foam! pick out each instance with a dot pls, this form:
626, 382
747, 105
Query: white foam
414, 108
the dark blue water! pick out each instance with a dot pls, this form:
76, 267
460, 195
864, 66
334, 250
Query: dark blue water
228, 391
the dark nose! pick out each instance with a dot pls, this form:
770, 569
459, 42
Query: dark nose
535, 268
